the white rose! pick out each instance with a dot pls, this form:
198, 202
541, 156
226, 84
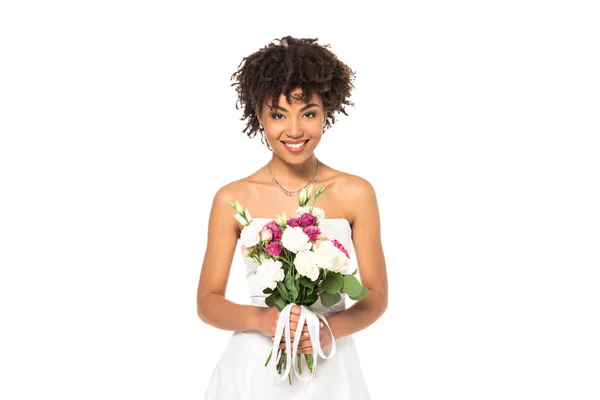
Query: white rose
266, 276
250, 235
317, 212
340, 262
295, 240
306, 264
330, 257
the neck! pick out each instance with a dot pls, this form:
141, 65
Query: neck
293, 176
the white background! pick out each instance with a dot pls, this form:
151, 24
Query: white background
476, 122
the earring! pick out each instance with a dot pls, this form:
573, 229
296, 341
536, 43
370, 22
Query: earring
263, 139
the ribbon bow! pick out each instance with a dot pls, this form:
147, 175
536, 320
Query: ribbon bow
283, 328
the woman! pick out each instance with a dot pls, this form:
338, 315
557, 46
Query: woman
290, 91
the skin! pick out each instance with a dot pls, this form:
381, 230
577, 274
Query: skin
293, 122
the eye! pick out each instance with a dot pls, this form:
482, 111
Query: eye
276, 115
310, 114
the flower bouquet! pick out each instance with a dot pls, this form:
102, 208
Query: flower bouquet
297, 264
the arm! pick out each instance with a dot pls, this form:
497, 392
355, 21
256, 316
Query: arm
366, 237
212, 306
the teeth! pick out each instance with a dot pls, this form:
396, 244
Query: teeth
294, 146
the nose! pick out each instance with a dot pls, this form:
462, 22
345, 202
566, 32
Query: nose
295, 129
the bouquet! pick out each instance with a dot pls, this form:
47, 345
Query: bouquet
297, 264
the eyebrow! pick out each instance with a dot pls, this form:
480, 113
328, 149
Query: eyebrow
302, 109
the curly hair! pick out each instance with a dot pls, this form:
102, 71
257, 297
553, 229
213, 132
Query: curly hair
280, 67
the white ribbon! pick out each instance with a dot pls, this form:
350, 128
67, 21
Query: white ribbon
283, 328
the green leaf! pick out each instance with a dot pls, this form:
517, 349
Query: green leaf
355, 271
289, 279
294, 292
306, 282
310, 299
267, 291
351, 286
283, 291
329, 300
333, 283
363, 293
270, 300
280, 303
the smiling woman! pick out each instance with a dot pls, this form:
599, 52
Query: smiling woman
289, 92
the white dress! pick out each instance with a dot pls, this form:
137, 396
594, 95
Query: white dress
241, 374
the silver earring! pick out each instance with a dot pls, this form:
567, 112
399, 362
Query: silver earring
263, 139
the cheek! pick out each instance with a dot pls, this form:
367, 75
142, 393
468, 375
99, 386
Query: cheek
312, 128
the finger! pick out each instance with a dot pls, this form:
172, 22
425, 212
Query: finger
294, 325
303, 337
282, 344
305, 350
294, 328
294, 317
303, 342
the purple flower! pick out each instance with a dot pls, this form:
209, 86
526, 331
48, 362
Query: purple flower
276, 229
293, 222
312, 232
274, 248
307, 219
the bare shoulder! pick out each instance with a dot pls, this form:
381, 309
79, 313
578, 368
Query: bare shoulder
238, 190
354, 186
221, 208
349, 190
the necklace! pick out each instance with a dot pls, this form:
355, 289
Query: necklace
291, 193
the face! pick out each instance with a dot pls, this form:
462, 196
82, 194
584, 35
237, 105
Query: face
293, 130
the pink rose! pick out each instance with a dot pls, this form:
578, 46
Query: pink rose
307, 219
274, 248
276, 229
312, 232
341, 247
266, 234
246, 250
293, 222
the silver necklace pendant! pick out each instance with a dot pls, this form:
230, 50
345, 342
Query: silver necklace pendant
290, 193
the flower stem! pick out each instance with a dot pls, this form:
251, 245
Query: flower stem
269, 358
309, 361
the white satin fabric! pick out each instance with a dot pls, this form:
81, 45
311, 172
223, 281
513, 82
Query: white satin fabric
240, 374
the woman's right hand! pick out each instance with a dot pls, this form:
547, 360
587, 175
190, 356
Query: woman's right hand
266, 321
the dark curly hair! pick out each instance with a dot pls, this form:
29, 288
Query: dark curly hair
280, 67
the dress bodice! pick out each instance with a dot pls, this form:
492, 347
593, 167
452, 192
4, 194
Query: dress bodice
333, 228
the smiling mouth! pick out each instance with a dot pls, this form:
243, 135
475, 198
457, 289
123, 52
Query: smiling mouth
295, 146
